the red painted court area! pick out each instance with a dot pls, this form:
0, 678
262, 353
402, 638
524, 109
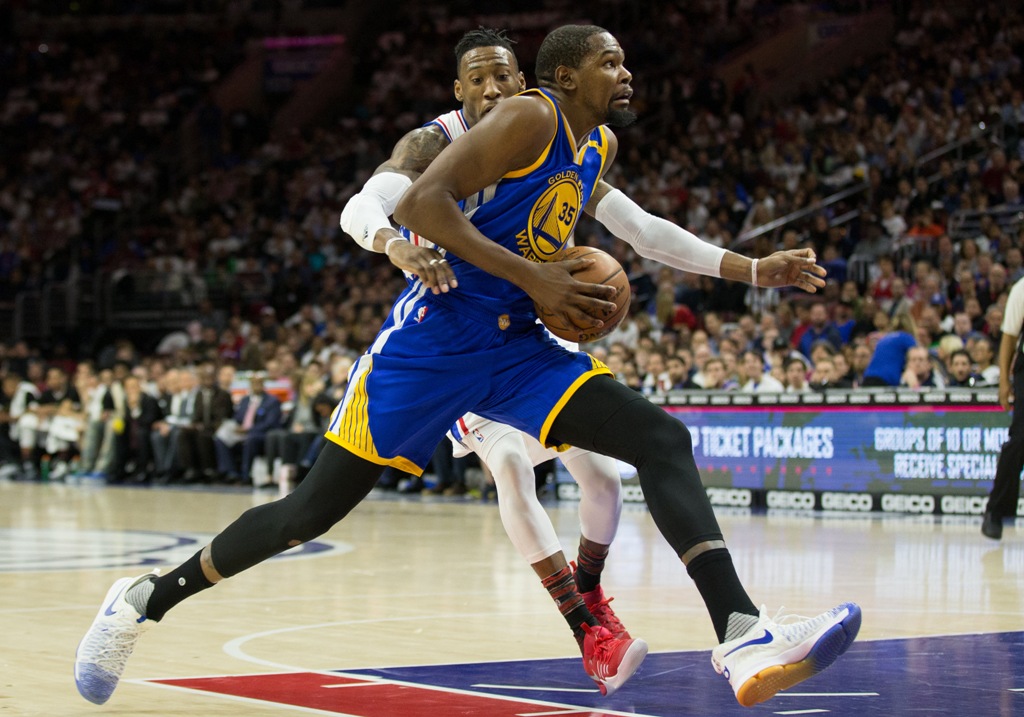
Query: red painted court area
366, 698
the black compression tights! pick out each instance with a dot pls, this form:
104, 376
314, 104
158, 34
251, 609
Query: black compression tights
606, 417
336, 484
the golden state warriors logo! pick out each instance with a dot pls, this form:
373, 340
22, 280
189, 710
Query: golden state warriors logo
552, 218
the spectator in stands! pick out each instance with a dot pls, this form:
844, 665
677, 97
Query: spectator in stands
715, 376
823, 376
178, 411
758, 381
257, 413
211, 407
102, 397
165, 388
843, 369
919, 372
796, 375
33, 426
678, 373
286, 445
889, 357
656, 378
819, 329
226, 377
1013, 259
961, 373
943, 353
15, 394
861, 359
884, 273
983, 355
133, 454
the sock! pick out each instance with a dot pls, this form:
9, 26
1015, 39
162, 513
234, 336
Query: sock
139, 593
168, 590
739, 624
589, 565
720, 587
563, 591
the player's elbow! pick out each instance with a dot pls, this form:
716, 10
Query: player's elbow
406, 212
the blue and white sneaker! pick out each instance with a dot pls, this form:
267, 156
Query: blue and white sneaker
783, 651
106, 647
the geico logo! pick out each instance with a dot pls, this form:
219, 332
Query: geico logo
908, 503
737, 497
790, 499
846, 501
963, 504
632, 494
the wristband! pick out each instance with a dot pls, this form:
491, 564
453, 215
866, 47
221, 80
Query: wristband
753, 272
387, 245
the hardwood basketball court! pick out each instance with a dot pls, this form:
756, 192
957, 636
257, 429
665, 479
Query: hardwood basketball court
422, 607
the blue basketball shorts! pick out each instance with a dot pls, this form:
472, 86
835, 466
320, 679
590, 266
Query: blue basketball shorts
429, 365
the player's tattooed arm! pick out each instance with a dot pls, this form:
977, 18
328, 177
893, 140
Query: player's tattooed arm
415, 151
413, 154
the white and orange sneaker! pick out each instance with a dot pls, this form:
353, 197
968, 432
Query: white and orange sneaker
777, 653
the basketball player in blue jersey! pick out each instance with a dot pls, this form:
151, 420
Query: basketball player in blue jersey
487, 73
532, 165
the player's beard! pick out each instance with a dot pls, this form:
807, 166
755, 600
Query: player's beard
620, 118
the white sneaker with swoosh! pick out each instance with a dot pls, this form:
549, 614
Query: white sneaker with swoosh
106, 647
783, 651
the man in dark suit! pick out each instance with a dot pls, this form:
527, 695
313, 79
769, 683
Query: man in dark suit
256, 414
133, 452
195, 442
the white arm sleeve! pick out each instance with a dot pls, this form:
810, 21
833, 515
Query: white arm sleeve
658, 239
368, 212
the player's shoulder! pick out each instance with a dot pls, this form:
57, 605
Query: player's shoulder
417, 149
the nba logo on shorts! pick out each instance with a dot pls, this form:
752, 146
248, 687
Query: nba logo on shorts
478, 434
421, 314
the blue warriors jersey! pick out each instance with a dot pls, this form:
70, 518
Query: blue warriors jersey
531, 211
478, 348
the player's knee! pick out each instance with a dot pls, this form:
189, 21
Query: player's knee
307, 520
666, 440
511, 469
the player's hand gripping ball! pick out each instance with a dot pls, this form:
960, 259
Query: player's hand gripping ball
605, 270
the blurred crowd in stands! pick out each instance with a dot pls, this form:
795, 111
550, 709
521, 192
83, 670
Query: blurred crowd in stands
243, 224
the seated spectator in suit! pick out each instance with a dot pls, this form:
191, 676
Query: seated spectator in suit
178, 403
257, 413
133, 448
195, 442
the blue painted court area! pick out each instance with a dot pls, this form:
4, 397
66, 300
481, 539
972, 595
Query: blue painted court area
953, 675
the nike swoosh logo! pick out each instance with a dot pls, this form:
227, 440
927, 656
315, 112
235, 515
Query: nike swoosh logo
763, 640
108, 612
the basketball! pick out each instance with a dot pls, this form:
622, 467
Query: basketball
605, 270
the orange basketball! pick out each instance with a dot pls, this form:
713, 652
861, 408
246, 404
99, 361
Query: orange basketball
605, 270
